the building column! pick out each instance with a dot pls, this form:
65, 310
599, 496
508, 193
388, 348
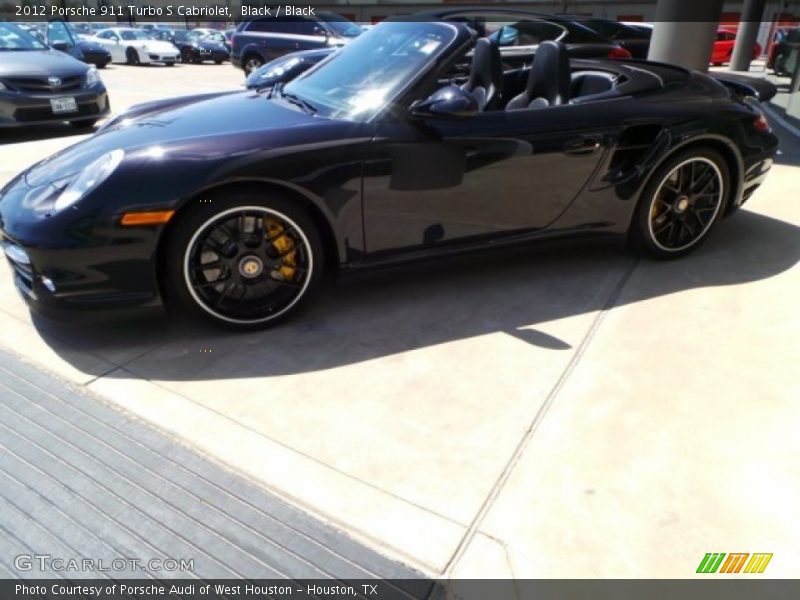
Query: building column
793, 106
747, 34
684, 32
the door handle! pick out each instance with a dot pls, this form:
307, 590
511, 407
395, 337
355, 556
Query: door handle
583, 146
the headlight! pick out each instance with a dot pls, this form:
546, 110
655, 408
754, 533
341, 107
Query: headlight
92, 175
2, 87
92, 76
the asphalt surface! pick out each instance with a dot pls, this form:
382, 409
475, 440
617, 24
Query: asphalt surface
79, 479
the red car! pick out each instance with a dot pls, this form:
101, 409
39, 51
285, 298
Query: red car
723, 46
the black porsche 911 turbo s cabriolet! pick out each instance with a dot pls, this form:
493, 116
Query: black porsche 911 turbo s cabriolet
231, 205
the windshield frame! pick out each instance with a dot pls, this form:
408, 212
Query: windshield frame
442, 54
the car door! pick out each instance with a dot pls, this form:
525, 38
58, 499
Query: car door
110, 40
60, 37
723, 47
497, 173
310, 34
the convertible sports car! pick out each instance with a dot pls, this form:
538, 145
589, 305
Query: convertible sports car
232, 205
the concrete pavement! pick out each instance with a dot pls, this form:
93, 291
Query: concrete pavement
564, 410
80, 480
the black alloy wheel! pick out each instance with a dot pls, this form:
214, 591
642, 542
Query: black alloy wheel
243, 261
681, 204
132, 56
252, 63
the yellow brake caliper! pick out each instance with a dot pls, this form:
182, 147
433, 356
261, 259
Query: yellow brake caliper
282, 243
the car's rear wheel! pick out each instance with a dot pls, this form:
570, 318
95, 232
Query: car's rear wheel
186, 55
681, 204
132, 56
251, 63
243, 260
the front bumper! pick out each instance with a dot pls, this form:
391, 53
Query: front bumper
21, 109
162, 57
71, 261
215, 55
97, 59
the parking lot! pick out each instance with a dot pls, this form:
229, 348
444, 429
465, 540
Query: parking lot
563, 410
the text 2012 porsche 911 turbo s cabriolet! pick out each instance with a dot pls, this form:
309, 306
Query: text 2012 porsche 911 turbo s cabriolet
231, 205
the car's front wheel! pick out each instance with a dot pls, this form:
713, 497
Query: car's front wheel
132, 56
251, 63
681, 204
242, 260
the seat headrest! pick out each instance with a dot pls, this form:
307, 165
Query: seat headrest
487, 64
550, 73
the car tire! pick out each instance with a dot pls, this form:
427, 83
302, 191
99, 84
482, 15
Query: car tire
264, 251
251, 62
218, 62
684, 199
169, 63
186, 55
132, 56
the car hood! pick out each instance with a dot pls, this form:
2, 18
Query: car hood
187, 130
211, 45
92, 46
39, 63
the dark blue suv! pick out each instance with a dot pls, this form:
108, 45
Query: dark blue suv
261, 40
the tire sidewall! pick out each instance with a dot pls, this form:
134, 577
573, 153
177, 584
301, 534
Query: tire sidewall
640, 227
132, 56
179, 300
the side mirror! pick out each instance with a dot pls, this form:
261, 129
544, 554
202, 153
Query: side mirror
449, 102
61, 46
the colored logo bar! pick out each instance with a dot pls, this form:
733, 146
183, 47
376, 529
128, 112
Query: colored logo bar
713, 562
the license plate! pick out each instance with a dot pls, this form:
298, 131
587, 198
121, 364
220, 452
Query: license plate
63, 105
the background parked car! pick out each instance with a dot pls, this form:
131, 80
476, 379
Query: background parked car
634, 40
259, 41
723, 47
196, 48
785, 54
39, 84
136, 46
214, 35
93, 52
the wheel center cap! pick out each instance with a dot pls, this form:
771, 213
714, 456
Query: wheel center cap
682, 204
250, 267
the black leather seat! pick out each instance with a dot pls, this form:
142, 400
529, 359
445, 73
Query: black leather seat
548, 81
486, 75
589, 83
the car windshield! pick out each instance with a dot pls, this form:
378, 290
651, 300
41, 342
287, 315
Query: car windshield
186, 36
134, 34
372, 69
340, 25
14, 38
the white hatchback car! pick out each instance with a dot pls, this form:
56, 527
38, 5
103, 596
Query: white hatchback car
136, 46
